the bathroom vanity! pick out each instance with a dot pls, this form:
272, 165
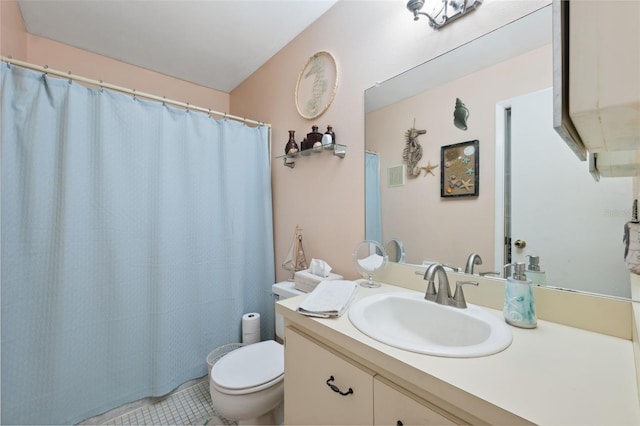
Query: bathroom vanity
554, 374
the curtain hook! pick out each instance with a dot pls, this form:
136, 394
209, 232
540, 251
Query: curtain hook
134, 95
69, 72
188, 107
46, 67
164, 100
210, 113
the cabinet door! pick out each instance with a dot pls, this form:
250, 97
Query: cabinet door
323, 388
393, 406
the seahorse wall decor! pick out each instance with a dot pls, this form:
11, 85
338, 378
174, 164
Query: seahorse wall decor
319, 88
412, 152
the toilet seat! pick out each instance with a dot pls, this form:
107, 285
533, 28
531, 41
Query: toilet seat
249, 369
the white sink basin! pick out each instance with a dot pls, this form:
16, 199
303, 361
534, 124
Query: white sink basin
407, 321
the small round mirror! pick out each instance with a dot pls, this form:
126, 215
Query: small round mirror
368, 257
395, 250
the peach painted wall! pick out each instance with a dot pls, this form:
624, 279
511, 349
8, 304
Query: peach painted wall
449, 229
13, 36
16, 42
372, 41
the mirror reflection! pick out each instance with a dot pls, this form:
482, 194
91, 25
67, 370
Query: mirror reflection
395, 250
531, 188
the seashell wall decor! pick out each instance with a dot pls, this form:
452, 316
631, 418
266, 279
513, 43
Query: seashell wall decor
460, 115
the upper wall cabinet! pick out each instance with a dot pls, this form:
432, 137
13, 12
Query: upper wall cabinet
597, 82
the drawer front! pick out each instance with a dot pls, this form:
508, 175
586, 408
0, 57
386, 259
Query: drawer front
321, 387
393, 406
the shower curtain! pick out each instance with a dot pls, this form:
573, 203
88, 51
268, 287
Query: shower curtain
134, 237
373, 211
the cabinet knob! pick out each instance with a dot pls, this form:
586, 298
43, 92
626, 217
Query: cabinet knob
337, 389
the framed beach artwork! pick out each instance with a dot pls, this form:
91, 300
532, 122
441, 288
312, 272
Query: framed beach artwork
459, 173
317, 85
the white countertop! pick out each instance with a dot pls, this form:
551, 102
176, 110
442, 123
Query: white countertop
550, 375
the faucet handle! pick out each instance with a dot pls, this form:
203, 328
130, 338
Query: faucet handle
458, 296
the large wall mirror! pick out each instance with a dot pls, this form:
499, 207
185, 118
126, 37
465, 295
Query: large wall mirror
530, 187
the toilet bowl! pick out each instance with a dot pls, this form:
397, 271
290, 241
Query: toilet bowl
247, 384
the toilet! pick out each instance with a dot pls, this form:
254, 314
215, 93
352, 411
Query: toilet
247, 384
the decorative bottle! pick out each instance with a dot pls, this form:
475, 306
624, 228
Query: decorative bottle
291, 147
329, 138
314, 138
519, 305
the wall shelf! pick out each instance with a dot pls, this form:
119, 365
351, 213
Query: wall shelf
337, 150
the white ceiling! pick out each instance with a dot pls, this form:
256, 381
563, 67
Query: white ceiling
214, 43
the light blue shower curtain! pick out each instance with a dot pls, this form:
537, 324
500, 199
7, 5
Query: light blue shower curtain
373, 212
134, 237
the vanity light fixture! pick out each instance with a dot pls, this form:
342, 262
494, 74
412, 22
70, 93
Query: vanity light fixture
450, 10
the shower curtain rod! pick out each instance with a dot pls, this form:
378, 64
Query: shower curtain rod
46, 70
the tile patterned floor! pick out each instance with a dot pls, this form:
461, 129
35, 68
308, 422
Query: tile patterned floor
190, 406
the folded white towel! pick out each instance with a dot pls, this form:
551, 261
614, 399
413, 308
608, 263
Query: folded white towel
330, 298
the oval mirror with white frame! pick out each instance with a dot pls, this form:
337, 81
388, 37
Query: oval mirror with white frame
368, 257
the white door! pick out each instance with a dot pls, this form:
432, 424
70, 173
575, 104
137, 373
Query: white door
572, 222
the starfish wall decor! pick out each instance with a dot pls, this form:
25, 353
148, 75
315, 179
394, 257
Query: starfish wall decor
429, 168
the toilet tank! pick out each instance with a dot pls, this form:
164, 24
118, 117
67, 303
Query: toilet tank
283, 290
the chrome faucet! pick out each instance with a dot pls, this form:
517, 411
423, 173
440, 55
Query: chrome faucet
474, 259
443, 295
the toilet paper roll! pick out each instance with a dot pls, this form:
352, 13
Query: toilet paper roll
250, 328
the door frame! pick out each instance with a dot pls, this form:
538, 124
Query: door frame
502, 208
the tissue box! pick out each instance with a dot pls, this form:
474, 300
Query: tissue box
306, 281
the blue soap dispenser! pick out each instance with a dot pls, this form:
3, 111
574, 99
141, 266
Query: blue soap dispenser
519, 305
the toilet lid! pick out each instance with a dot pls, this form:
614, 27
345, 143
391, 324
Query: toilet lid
249, 366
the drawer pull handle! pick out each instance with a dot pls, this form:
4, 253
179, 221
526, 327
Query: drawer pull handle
337, 389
